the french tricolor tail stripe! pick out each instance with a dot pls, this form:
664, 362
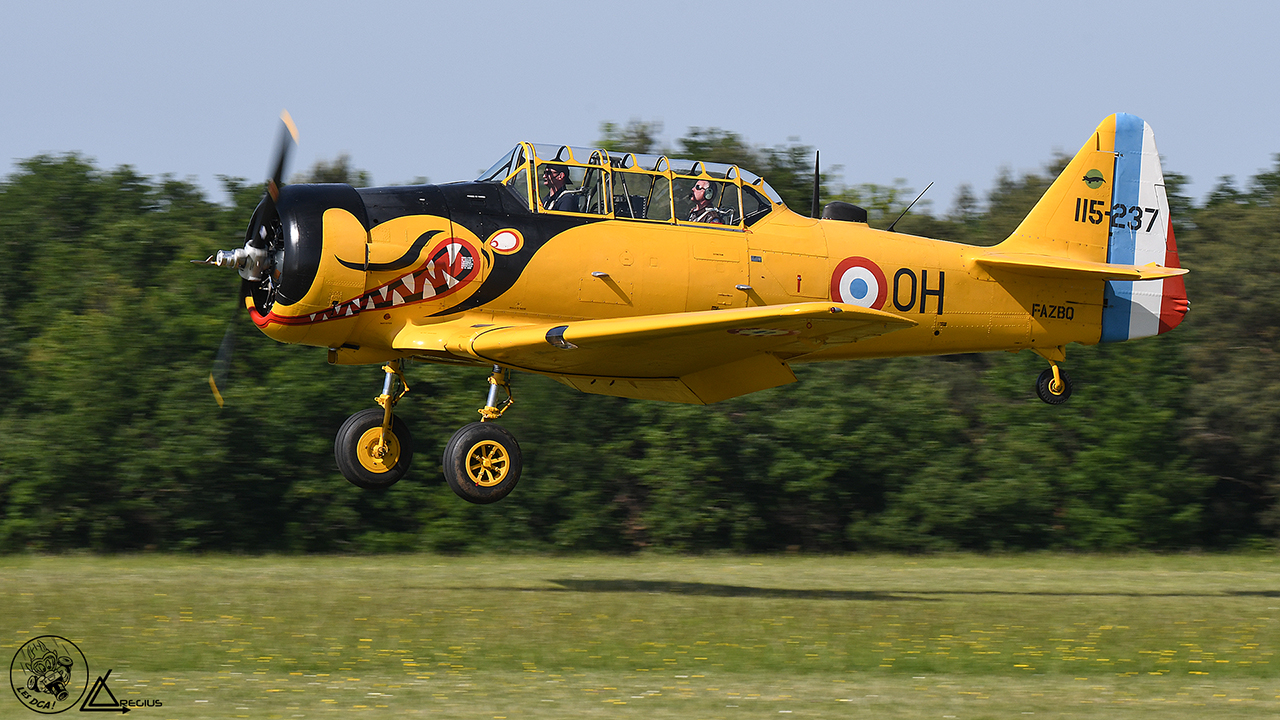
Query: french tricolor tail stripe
1173, 304
1140, 234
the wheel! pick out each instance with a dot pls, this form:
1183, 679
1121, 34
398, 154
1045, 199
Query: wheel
354, 449
482, 463
1049, 394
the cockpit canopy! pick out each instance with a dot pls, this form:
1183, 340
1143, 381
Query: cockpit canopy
635, 186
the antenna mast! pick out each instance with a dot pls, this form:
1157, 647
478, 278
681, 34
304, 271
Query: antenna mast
814, 213
913, 202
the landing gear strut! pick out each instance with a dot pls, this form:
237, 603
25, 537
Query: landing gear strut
374, 447
1054, 384
482, 461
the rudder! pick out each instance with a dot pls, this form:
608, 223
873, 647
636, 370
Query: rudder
1140, 233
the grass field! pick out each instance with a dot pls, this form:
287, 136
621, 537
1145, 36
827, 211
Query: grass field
492, 637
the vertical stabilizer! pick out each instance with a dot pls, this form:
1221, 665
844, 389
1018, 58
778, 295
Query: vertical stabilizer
1109, 205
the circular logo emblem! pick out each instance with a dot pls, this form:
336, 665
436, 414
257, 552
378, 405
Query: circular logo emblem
49, 674
1094, 179
858, 281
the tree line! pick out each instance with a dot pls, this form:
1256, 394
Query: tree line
110, 439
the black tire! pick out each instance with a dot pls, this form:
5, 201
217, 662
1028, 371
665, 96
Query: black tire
482, 463
352, 448
1046, 379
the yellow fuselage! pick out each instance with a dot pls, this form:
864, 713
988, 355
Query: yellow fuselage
425, 271
623, 268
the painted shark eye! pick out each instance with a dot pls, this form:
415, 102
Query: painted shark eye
506, 241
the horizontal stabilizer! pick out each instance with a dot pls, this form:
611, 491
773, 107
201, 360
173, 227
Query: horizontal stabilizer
1048, 266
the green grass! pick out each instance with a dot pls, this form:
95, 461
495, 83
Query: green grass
660, 636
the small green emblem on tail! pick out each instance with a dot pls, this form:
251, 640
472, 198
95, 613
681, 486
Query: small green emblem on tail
1094, 179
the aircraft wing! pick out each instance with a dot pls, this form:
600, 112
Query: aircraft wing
711, 355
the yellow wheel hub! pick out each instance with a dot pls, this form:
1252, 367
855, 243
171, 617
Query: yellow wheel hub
488, 463
373, 458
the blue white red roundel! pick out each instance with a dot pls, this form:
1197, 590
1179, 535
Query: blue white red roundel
858, 281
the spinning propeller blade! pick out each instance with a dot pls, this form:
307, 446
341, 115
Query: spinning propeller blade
255, 255
222, 363
288, 138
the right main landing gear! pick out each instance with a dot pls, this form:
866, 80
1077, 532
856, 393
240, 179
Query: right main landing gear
482, 461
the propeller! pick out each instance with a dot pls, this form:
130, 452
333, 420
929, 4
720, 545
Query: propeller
222, 361
258, 261
288, 138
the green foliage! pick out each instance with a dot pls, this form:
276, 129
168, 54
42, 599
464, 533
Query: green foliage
112, 441
338, 170
637, 136
1233, 337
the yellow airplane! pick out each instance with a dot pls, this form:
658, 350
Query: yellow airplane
669, 279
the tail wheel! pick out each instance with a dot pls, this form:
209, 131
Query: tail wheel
482, 463
363, 460
1054, 393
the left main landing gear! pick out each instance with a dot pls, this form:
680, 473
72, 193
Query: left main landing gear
482, 461
373, 447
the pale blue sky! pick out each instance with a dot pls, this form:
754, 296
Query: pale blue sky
948, 92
